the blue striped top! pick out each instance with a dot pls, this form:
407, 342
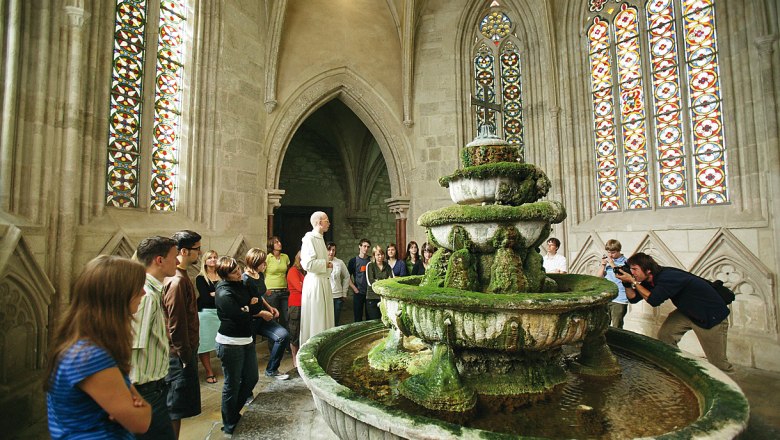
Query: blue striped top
72, 412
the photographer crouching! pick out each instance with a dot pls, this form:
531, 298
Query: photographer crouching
699, 306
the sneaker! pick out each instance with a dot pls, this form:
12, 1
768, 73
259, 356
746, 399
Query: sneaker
277, 375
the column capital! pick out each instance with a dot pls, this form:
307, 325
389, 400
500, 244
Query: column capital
765, 43
75, 12
398, 206
274, 199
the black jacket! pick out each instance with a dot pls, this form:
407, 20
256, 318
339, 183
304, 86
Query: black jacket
234, 320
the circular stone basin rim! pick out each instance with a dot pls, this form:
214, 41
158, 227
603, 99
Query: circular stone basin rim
725, 410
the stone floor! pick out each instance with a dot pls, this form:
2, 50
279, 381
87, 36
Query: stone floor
285, 410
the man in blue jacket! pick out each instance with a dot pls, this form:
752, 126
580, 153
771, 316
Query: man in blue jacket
699, 306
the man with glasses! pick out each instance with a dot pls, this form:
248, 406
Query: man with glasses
181, 312
357, 269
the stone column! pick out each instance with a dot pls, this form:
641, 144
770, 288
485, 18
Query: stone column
400, 207
274, 201
68, 194
8, 121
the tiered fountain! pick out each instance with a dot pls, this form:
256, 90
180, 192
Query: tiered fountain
485, 330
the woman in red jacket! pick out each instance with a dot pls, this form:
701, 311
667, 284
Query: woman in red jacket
295, 286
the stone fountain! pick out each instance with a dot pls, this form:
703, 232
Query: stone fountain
499, 332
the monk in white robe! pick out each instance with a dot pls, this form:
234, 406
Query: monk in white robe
317, 299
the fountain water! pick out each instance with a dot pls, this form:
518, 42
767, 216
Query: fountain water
495, 323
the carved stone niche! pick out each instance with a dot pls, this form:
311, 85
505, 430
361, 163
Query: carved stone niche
25, 295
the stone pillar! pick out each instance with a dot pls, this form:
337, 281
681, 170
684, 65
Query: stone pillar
10, 99
72, 148
274, 201
400, 207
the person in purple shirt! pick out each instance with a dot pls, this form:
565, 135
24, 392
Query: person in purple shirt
88, 391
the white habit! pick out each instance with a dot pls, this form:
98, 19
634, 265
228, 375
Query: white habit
317, 300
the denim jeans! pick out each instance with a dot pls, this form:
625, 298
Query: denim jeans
337, 304
372, 309
239, 364
278, 298
156, 394
358, 304
278, 339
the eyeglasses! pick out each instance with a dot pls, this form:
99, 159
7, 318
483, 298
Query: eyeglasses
194, 248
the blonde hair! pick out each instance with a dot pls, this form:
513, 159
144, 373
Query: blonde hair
100, 311
203, 272
254, 258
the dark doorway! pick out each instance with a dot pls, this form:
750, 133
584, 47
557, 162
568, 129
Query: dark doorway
291, 223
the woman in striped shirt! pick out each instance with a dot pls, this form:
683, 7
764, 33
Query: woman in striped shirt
88, 392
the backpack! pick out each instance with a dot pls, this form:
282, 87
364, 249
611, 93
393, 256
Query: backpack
724, 292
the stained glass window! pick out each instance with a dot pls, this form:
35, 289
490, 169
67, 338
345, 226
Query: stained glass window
498, 76
683, 112
167, 109
126, 102
125, 152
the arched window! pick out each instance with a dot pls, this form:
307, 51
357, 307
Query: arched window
656, 103
126, 156
496, 67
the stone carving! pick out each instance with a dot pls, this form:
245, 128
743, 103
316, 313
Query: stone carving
25, 296
239, 248
119, 245
727, 259
654, 246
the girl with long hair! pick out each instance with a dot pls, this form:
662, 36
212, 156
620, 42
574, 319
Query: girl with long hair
398, 267
422, 264
88, 391
412, 256
206, 282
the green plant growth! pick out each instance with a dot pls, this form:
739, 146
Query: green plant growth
506, 274
437, 269
481, 154
529, 183
549, 211
462, 271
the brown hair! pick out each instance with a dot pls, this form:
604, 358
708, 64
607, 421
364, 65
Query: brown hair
645, 262
100, 311
613, 245
297, 263
409, 252
254, 258
427, 247
225, 265
270, 245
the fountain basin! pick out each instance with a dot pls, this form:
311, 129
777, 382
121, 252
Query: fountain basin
484, 224
723, 407
505, 322
502, 183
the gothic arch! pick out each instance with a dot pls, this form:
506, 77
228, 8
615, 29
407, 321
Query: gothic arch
362, 99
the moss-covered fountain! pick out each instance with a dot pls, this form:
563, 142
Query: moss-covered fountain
496, 332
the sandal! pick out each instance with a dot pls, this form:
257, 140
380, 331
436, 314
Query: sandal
211, 379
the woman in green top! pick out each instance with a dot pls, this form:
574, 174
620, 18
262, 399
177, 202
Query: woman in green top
276, 279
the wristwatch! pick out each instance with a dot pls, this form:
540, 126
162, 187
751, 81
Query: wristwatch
633, 285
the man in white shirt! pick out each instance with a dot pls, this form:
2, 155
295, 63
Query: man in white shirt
553, 261
339, 281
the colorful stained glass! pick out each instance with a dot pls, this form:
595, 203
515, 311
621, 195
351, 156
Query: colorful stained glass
484, 82
603, 115
669, 138
511, 86
126, 104
632, 108
701, 58
166, 134
495, 26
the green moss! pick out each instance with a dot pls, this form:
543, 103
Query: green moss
549, 211
506, 275
518, 171
437, 268
534, 271
462, 271
480, 154
439, 387
584, 289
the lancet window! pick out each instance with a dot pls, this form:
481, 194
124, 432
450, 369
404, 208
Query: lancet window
656, 104
498, 76
127, 135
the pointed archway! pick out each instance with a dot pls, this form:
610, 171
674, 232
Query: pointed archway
380, 149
